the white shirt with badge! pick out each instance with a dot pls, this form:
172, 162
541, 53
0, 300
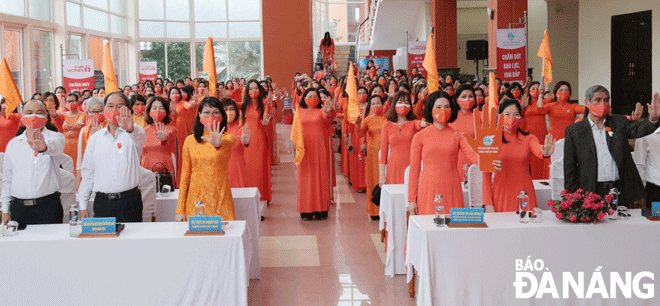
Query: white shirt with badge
607, 169
647, 157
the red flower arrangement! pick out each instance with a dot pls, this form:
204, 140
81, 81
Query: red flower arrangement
581, 206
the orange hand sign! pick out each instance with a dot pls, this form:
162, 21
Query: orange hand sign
488, 143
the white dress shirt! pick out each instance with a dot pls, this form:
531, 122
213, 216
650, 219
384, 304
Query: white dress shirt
26, 176
111, 163
607, 169
647, 157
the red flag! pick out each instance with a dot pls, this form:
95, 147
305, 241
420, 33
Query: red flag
431, 67
544, 52
8, 89
209, 65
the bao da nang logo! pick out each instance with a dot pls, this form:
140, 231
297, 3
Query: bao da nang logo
583, 285
510, 36
488, 140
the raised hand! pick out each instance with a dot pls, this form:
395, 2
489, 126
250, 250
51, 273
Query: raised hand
327, 107
161, 131
245, 135
637, 113
95, 127
548, 146
266, 119
51, 110
654, 107
525, 100
488, 143
456, 85
125, 119
37, 142
215, 138
424, 123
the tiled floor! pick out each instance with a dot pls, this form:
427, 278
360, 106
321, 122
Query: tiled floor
338, 261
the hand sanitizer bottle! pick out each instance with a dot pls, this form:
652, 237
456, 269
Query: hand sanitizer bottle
523, 207
74, 221
199, 209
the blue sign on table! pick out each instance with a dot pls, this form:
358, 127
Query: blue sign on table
467, 215
99, 226
205, 224
655, 209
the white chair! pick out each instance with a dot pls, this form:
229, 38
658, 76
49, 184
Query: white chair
2, 160
474, 186
67, 163
559, 151
406, 179
148, 189
557, 178
174, 169
68, 192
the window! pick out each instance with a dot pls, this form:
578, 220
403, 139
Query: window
99, 15
154, 52
75, 46
42, 65
96, 46
341, 18
221, 59
37, 9
245, 59
13, 49
178, 60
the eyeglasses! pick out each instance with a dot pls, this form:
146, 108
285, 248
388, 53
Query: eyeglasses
95, 112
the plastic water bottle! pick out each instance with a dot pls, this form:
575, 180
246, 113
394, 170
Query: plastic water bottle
439, 210
615, 203
200, 211
74, 221
523, 207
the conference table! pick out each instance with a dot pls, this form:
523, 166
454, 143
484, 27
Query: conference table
148, 264
246, 207
489, 266
393, 219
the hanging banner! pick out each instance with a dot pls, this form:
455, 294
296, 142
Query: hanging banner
148, 71
78, 74
416, 52
380, 63
512, 55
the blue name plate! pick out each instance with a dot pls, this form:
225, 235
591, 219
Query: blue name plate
655, 209
205, 224
99, 225
467, 215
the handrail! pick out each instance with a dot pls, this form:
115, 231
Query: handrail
359, 37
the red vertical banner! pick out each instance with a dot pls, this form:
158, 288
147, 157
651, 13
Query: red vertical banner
416, 52
148, 71
78, 75
512, 55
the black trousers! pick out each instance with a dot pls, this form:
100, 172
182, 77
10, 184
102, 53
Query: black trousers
652, 194
126, 209
603, 189
46, 211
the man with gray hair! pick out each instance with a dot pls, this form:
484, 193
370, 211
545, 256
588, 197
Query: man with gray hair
596, 155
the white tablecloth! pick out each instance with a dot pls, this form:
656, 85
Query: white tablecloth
393, 207
148, 264
477, 266
247, 207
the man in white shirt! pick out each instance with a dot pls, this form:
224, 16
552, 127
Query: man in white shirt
111, 165
647, 158
31, 180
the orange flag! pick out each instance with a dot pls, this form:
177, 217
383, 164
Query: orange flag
209, 65
8, 89
430, 66
492, 92
109, 71
351, 90
297, 138
544, 52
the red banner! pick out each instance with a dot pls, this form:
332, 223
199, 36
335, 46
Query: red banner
416, 52
148, 71
512, 55
78, 75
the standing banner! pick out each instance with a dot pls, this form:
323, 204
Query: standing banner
416, 52
512, 55
380, 63
78, 74
148, 71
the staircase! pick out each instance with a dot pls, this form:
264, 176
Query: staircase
343, 54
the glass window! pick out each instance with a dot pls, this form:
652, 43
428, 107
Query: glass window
13, 7
40, 9
245, 59
154, 52
178, 30
96, 46
177, 10
356, 12
118, 24
102, 4
209, 10
95, 19
244, 29
337, 26
152, 9
42, 58
120, 62
73, 14
221, 60
243, 9
210, 29
118, 6
75, 46
178, 60
152, 29
12, 54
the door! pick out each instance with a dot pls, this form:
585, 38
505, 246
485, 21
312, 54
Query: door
631, 62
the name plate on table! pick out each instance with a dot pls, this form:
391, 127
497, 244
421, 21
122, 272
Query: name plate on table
655, 209
467, 215
205, 224
99, 226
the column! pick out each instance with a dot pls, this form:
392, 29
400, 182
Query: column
443, 19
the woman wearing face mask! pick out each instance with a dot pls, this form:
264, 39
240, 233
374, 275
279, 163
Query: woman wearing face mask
448, 88
206, 156
342, 104
516, 91
30, 193
377, 89
326, 99
437, 147
158, 90
480, 97
95, 121
53, 104
161, 137
535, 124
420, 92
356, 156
236, 93
8, 125
179, 115
501, 193
464, 123
396, 138
138, 106
370, 129
74, 120
60, 93
256, 115
561, 112
314, 174
101, 93
237, 170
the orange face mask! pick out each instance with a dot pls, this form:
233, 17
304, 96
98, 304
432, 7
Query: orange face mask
563, 96
362, 98
441, 115
534, 93
312, 102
